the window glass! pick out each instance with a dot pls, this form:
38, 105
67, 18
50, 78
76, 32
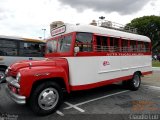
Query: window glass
51, 46
140, 46
64, 44
133, 46
124, 45
114, 44
84, 37
111, 41
8, 47
102, 44
30, 49
146, 47
84, 41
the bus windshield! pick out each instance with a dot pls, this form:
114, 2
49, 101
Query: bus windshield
62, 44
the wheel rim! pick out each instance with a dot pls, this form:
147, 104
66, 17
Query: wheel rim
136, 80
2, 75
48, 98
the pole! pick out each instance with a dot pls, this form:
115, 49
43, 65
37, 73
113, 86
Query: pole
44, 30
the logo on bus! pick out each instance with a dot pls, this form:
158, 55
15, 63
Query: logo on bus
105, 63
59, 30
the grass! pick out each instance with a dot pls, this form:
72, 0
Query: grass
155, 63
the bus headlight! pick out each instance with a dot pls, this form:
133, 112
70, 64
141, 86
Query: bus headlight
18, 77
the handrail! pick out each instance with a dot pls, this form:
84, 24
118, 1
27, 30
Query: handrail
116, 26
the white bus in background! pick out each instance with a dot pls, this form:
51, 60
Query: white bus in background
14, 49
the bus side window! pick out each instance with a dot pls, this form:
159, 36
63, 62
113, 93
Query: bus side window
30, 49
84, 42
8, 47
124, 44
98, 39
102, 44
139, 46
133, 46
146, 47
114, 44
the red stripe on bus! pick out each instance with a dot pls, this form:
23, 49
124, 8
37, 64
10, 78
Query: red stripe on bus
106, 82
147, 73
113, 54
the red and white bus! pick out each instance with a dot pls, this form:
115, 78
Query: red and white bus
79, 57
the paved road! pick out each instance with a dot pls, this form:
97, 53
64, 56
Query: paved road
109, 102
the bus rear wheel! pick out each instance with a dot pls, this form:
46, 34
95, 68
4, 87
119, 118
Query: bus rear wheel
46, 98
134, 83
2, 75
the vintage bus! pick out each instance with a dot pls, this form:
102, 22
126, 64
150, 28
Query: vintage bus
14, 49
79, 57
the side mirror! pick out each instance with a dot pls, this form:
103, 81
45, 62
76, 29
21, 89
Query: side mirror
76, 50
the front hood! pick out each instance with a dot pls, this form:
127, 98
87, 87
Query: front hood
31, 63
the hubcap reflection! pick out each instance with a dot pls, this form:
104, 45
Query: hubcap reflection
48, 98
136, 80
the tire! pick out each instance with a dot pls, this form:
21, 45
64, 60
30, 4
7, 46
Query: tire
2, 75
125, 84
135, 82
46, 98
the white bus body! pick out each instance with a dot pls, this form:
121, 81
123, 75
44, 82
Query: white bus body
97, 67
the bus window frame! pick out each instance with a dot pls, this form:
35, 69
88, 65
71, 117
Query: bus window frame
63, 54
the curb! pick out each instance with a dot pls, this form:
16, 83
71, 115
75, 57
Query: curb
156, 68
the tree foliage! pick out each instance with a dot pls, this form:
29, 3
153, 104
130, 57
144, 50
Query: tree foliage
148, 26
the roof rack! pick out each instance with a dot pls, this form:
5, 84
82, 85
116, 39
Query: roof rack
114, 25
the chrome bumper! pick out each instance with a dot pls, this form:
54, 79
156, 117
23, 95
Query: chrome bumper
12, 81
15, 97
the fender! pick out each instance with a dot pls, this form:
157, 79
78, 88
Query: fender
31, 75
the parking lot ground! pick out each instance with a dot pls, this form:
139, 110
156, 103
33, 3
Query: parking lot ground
154, 79
109, 102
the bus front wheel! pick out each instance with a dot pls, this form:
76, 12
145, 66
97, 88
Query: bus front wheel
46, 98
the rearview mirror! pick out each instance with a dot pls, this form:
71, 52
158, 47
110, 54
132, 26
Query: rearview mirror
76, 50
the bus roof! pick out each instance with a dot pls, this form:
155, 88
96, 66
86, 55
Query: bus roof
104, 32
21, 38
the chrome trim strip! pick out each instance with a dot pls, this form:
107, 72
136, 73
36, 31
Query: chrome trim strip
123, 69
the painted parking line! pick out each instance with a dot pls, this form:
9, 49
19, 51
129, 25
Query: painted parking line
59, 113
74, 106
95, 99
152, 87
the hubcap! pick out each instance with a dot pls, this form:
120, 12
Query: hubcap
136, 80
48, 98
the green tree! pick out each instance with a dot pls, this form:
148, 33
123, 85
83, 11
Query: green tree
148, 26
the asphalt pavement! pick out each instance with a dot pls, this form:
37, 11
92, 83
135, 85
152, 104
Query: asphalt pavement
109, 102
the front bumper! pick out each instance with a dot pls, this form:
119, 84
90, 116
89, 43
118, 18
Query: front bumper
15, 97
12, 81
